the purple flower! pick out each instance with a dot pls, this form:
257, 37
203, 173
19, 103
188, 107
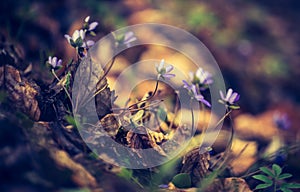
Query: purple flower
281, 120
55, 64
125, 39
202, 78
88, 44
129, 37
230, 99
164, 72
195, 93
198, 96
89, 26
187, 85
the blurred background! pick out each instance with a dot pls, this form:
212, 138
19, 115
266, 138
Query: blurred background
255, 43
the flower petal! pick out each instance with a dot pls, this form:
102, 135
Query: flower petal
128, 41
237, 98
128, 35
82, 34
186, 85
161, 65
193, 88
168, 75
59, 63
93, 26
88, 44
67, 37
54, 61
75, 35
229, 93
232, 98
206, 103
87, 19
169, 68
199, 72
222, 96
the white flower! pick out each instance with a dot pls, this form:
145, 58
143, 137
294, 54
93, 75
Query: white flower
54, 62
89, 26
88, 44
202, 78
129, 37
198, 96
77, 38
125, 39
231, 97
164, 72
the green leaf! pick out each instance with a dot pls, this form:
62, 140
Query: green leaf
182, 180
68, 80
277, 169
71, 120
125, 173
267, 171
73, 44
93, 155
138, 116
208, 180
291, 185
93, 33
79, 42
263, 178
283, 189
285, 175
234, 107
263, 186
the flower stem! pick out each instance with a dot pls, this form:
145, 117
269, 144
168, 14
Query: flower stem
193, 118
66, 91
222, 119
150, 97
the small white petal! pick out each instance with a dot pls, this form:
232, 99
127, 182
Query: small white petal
59, 63
128, 35
92, 26
75, 35
67, 37
222, 96
229, 93
161, 65
87, 19
82, 34
54, 61
199, 73
193, 88
169, 68
127, 42
88, 44
168, 75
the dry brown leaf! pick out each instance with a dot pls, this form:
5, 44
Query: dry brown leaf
143, 138
196, 165
229, 184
